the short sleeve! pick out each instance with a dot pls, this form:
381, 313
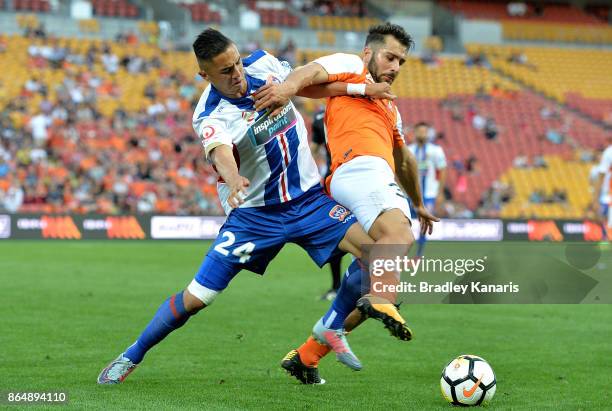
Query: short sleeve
212, 133
440, 159
343, 67
605, 165
263, 63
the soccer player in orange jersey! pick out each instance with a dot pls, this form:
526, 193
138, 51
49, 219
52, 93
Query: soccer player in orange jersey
368, 157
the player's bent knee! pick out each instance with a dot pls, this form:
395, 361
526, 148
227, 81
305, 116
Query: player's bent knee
191, 303
202, 296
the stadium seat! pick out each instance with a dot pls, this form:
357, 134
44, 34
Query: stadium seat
115, 8
423, 90
483, 9
570, 177
341, 23
560, 74
89, 26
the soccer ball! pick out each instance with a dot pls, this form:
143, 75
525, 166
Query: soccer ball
468, 380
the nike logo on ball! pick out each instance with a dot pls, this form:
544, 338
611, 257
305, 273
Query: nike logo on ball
472, 390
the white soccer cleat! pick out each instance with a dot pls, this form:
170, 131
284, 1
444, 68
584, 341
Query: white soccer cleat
336, 340
116, 371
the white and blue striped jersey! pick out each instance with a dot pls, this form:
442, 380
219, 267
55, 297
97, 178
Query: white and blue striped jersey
430, 159
605, 168
273, 153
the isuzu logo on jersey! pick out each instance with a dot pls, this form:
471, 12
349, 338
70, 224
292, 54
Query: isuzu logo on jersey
266, 128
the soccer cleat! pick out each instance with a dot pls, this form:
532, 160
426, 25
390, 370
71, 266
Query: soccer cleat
292, 363
116, 371
336, 340
382, 310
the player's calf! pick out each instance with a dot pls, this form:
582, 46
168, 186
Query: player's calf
171, 315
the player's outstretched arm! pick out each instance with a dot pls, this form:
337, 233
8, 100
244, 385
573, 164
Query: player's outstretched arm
274, 96
407, 173
222, 157
338, 88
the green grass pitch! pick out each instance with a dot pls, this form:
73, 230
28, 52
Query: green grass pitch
68, 308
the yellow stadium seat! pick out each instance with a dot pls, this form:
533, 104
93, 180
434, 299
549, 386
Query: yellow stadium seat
568, 176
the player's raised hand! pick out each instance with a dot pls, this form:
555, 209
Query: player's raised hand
426, 219
379, 90
238, 191
272, 96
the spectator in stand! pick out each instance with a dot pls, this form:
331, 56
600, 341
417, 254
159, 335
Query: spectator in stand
491, 131
520, 58
12, 199
288, 53
521, 161
516, 9
554, 136
478, 59
537, 197
478, 122
109, 60
471, 165
539, 162
494, 198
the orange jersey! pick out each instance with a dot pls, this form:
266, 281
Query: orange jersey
358, 126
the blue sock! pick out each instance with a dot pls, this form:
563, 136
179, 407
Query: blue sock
349, 292
170, 316
421, 245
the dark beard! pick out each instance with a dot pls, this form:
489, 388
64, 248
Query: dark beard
373, 68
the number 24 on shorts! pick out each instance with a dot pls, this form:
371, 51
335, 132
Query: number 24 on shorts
243, 252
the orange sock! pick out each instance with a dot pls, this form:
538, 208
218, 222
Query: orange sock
311, 352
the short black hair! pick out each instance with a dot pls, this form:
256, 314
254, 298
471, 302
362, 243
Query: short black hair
210, 43
377, 33
422, 124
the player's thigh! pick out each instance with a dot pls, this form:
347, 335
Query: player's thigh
248, 240
393, 227
368, 201
354, 240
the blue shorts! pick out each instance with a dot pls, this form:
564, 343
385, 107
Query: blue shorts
603, 207
251, 237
